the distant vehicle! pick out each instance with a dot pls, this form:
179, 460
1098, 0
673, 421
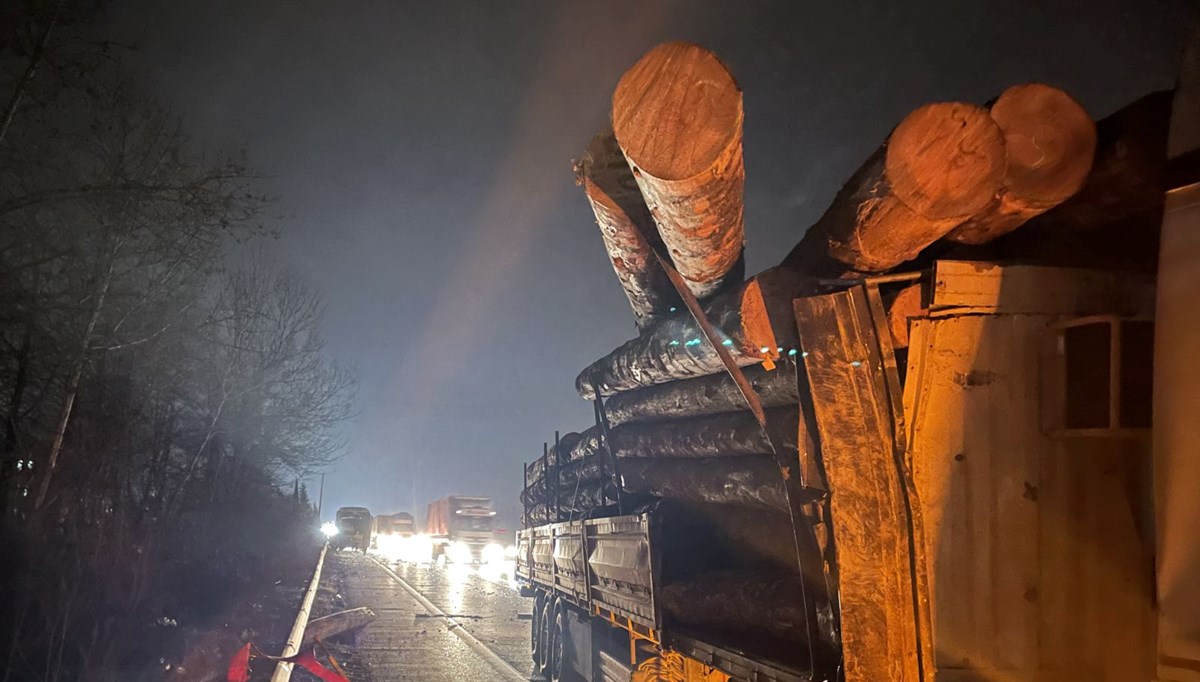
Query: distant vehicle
460, 527
399, 525
354, 528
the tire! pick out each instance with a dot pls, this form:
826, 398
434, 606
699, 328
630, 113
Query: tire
559, 668
545, 637
536, 626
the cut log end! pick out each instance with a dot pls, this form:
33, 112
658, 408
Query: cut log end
946, 160
677, 110
1050, 143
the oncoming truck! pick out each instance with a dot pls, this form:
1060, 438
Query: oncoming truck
460, 527
353, 528
976, 465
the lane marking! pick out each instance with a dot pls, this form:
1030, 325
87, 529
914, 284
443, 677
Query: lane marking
502, 666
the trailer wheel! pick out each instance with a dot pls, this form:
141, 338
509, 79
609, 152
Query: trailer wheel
545, 636
535, 629
559, 665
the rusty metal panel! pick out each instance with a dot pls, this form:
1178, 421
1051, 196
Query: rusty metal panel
877, 586
974, 287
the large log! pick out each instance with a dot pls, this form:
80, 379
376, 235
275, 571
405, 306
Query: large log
941, 165
1050, 142
677, 114
629, 234
732, 433
1113, 222
753, 319
712, 394
750, 481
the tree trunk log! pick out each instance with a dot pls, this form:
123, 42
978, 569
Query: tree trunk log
942, 165
752, 317
730, 434
711, 394
1050, 143
748, 481
630, 236
677, 114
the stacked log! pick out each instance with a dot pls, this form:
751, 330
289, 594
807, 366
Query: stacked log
753, 319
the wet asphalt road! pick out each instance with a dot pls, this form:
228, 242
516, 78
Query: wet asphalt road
407, 643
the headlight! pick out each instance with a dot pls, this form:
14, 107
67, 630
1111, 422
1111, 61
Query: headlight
459, 552
329, 529
492, 554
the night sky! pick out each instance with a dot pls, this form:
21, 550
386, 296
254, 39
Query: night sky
421, 157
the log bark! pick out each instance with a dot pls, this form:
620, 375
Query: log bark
711, 394
752, 317
629, 234
941, 165
748, 481
560, 452
909, 303
1050, 143
677, 114
729, 434
745, 606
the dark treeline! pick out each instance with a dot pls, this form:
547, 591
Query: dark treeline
153, 397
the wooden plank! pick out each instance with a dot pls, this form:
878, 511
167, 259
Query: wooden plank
986, 288
879, 605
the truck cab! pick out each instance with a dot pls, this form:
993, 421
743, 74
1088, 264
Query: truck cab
460, 527
353, 528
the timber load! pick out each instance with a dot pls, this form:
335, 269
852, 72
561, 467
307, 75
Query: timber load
1019, 176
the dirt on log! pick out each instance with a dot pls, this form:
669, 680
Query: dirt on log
629, 234
677, 115
942, 165
712, 394
753, 318
1050, 143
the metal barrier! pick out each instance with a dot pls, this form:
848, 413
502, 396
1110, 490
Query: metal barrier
283, 671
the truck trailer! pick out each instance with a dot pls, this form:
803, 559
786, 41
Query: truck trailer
976, 465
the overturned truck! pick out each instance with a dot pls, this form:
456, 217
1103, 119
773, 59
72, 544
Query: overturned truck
918, 448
